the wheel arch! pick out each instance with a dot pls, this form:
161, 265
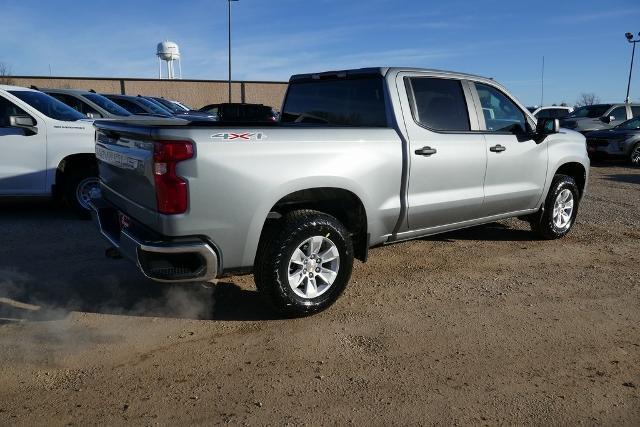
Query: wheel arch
575, 170
72, 163
345, 205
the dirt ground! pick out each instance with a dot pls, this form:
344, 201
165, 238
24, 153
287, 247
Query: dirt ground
480, 326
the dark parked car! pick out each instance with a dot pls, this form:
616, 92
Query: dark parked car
235, 112
139, 105
599, 116
623, 141
180, 110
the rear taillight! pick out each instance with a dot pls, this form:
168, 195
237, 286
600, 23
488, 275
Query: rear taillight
172, 191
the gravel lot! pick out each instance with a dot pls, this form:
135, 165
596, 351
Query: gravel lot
482, 326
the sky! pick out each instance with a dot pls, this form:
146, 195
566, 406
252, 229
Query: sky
582, 41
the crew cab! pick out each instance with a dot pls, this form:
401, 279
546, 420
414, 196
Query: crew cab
361, 158
47, 149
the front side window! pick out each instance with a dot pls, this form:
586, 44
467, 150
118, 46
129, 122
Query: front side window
129, 106
8, 109
439, 104
501, 114
619, 114
48, 105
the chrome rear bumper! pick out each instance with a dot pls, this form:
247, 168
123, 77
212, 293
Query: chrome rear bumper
158, 258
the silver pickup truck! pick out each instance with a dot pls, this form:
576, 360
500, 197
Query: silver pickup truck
361, 158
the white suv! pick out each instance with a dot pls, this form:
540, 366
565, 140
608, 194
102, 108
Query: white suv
48, 149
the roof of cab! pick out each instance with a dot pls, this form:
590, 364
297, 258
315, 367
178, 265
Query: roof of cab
9, 87
375, 71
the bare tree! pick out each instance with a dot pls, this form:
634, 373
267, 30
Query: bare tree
5, 75
587, 99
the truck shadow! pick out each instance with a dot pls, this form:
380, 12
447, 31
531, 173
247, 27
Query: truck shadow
625, 178
52, 263
494, 231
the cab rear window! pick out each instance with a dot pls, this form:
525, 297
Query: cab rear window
349, 102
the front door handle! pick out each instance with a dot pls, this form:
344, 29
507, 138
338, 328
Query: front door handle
497, 148
426, 151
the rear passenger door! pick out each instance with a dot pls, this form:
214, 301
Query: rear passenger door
516, 164
447, 154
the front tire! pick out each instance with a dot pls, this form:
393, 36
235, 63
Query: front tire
304, 262
560, 209
634, 157
80, 186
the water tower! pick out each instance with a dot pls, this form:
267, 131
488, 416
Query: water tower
168, 51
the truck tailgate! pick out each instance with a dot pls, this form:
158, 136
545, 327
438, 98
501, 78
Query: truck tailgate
125, 162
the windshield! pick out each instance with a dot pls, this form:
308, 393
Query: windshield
590, 111
48, 105
154, 106
183, 106
107, 104
173, 106
352, 102
633, 124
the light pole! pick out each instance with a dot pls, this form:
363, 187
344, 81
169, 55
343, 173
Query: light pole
229, 3
630, 39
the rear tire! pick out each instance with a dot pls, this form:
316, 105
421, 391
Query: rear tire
290, 271
560, 209
79, 187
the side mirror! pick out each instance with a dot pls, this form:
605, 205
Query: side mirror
607, 119
24, 122
547, 126
544, 127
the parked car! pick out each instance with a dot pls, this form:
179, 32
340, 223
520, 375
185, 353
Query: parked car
91, 104
47, 149
599, 116
550, 112
233, 113
361, 158
621, 142
139, 105
179, 111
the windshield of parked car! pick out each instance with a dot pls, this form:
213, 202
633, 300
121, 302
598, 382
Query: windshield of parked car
107, 104
532, 109
348, 102
590, 111
633, 124
48, 105
154, 106
169, 105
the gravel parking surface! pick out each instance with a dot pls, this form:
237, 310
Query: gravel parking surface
482, 326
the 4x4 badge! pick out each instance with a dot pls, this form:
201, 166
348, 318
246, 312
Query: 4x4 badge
243, 136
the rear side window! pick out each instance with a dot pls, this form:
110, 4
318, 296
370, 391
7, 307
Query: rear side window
439, 104
349, 102
501, 114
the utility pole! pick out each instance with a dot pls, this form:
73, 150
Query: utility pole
630, 39
542, 85
229, 3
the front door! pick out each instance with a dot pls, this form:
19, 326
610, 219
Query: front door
516, 164
447, 158
23, 160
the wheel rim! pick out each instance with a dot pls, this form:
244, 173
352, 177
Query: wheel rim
635, 155
87, 189
313, 267
563, 209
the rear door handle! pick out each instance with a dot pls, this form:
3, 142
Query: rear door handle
497, 148
426, 151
